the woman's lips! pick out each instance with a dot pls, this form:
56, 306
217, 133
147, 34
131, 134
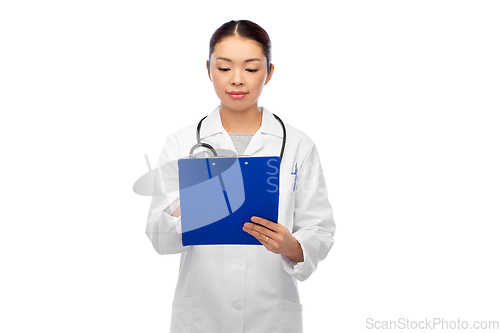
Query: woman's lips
237, 95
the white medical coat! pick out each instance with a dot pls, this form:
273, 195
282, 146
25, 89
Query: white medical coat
246, 288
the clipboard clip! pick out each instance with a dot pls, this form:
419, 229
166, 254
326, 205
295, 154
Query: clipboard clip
294, 172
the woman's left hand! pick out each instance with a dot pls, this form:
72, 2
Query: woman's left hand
280, 241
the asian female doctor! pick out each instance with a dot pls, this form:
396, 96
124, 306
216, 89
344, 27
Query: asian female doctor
246, 288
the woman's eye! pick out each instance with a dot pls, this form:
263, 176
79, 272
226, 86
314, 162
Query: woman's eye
250, 70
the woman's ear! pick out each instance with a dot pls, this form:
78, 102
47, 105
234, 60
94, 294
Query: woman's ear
270, 74
208, 69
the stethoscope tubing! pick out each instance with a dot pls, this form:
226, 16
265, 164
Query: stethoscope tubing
206, 145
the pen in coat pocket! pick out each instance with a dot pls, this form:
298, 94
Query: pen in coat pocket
294, 172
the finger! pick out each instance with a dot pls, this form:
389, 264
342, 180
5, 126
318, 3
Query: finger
266, 223
261, 237
259, 231
267, 244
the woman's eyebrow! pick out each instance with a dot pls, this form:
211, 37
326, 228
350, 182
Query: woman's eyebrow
248, 60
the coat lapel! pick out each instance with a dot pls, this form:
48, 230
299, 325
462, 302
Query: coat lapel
255, 144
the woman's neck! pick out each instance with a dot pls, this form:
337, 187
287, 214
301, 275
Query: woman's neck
241, 121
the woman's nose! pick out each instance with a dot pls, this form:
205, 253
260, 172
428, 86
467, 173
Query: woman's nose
237, 78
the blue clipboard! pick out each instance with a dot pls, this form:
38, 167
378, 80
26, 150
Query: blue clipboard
219, 194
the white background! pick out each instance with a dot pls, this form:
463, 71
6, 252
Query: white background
401, 98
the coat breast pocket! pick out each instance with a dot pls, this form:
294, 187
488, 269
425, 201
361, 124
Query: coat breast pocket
290, 316
287, 200
288, 184
181, 315
291, 188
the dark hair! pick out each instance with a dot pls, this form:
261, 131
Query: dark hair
244, 29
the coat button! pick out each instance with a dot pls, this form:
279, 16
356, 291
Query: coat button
238, 306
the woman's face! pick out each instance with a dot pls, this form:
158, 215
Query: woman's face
238, 64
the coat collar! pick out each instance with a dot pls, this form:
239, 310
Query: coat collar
212, 126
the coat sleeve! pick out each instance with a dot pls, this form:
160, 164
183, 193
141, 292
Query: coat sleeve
163, 229
313, 225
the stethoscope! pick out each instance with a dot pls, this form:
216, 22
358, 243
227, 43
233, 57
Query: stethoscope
201, 144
